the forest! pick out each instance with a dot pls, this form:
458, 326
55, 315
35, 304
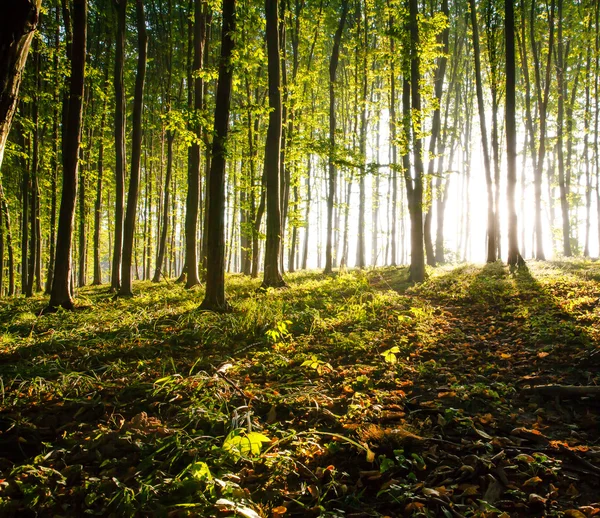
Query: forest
300, 258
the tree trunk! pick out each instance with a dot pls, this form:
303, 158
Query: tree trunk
193, 194
394, 151
214, 300
9, 243
415, 199
542, 102
17, 26
119, 120
491, 218
307, 212
54, 162
560, 77
61, 292
136, 154
162, 242
272, 276
333, 65
97, 280
514, 257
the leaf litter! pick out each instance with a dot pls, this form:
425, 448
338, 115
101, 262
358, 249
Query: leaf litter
472, 394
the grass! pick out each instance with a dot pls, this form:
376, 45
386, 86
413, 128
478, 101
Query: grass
350, 395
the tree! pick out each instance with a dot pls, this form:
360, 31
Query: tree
214, 299
272, 276
17, 26
331, 182
414, 182
491, 216
136, 153
514, 257
193, 195
119, 121
61, 284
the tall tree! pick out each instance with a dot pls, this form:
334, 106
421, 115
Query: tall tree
120, 103
331, 182
414, 184
136, 153
61, 284
491, 217
214, 299
193, 195
272, 275
17, 26
514, 257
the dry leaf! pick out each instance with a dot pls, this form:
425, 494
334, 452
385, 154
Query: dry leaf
574, 513
469, 489
533, 481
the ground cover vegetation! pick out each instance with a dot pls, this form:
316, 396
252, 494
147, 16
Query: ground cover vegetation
358, 394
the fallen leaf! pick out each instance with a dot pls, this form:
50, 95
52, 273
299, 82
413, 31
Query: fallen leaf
278, 511
533, 481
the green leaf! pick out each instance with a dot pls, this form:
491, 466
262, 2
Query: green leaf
241, 444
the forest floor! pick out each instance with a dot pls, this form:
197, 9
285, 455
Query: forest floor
353, 395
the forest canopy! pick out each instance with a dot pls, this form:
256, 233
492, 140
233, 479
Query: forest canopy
351, 134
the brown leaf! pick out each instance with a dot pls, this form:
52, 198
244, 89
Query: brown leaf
533, 481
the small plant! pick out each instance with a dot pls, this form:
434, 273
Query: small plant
240, 443
319, 365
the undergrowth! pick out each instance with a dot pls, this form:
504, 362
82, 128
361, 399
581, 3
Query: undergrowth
348, 395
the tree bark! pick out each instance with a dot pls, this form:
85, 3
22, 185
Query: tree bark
136, 154
272, 274
119, 120
417, 256
514, 257
193, 194
61, 292
333, 65
562, 184
9, 243
214, 299
491, 218
17, 26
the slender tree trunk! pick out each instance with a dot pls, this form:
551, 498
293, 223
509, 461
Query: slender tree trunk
307, 212
214, 300
54, 161
97, 280
193, 194
162, 242
417, 256
61, 292
333, 65
514, 257
586, 145
560, 77
394, 150
119, 121
136, 154
491, 227
542, 103
272, 276
9, 243
361, 260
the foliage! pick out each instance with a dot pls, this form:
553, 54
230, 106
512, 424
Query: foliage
149, 406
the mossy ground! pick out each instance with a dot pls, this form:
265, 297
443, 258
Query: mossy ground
377, 398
